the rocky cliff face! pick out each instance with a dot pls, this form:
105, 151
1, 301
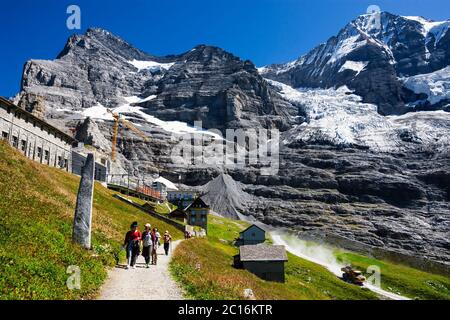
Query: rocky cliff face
369, 57
345, 168
219, 89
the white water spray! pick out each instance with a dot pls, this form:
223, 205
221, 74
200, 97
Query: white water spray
313, 252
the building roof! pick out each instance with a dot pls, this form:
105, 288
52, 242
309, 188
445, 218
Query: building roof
252, 226
263, 252
178, 213
197, 203
8, 103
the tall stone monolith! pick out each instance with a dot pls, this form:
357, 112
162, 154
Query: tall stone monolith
83, 211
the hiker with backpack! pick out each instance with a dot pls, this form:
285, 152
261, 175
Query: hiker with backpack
167, 239
147, 244
131, 245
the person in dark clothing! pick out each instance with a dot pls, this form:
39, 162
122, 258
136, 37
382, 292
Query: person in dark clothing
131, 244
167, 239
155, 243
147, 244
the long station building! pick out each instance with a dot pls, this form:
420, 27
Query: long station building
34, 137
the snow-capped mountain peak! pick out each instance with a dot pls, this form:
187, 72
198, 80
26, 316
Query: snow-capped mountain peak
371, 55
429, 27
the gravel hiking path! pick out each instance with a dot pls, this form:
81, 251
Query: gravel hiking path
154, 283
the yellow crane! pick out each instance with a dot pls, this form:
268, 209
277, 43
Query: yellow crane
117, 120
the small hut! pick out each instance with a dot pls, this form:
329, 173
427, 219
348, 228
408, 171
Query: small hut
265, 261
251, 235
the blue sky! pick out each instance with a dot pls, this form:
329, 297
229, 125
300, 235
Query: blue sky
264, 31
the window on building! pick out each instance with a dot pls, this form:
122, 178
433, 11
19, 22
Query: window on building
46, 155
23, 145
15, 142
39, 153
66, 163
60, 163
5, 135
9, 109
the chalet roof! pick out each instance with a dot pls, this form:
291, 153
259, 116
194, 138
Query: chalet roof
252, 226
197, 203
8, 103
263, 252
178, 213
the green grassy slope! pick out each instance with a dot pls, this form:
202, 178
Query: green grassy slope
412, 283
36, 210
204, 268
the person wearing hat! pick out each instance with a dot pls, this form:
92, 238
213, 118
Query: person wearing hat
147, 244
131, 244
167, 239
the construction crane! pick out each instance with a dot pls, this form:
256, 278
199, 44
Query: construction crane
117, 120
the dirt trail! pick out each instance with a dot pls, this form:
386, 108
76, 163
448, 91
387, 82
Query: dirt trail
154, 283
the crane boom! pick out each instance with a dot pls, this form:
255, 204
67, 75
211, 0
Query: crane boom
129, 125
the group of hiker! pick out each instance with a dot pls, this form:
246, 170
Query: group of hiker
151, 241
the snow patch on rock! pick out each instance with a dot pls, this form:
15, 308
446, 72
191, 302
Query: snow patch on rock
356, 66
150, 65
98, 112
169, 184
131, 112
436, 85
